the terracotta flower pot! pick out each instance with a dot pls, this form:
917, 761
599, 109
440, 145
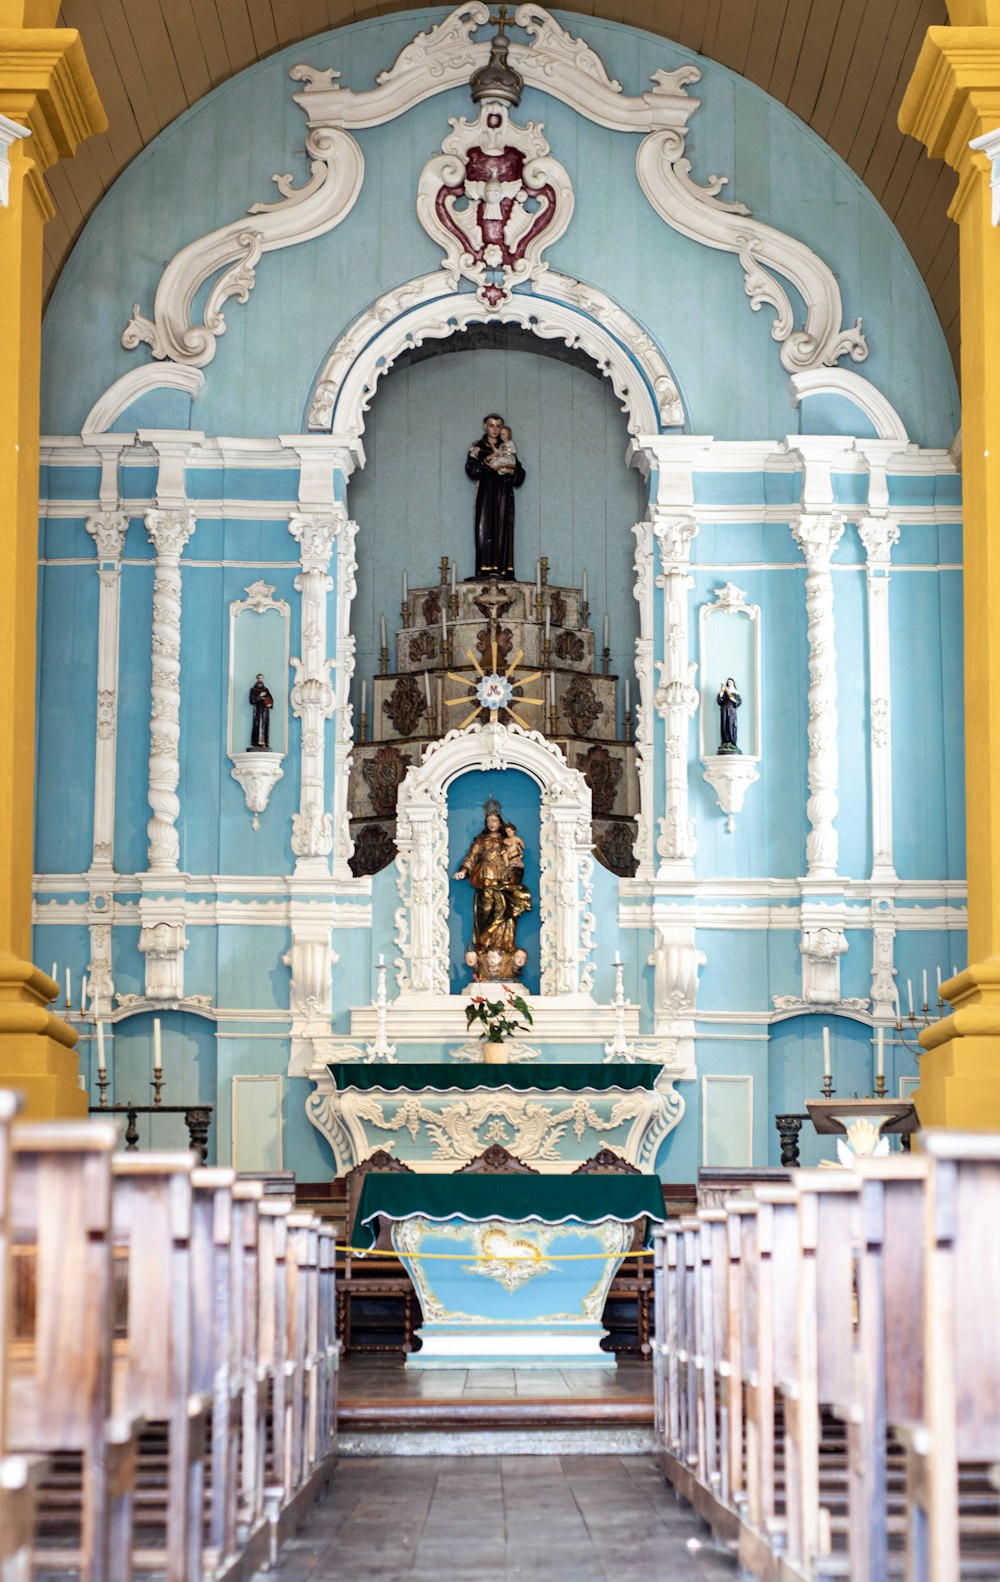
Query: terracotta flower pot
495, 1054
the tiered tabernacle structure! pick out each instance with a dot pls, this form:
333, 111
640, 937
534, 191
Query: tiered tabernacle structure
536, 638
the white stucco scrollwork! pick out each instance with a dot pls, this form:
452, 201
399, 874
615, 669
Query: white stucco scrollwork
168, 532
337, 169
557, 308
879, 534
699, 213
564, 857
818, 536
312, 695
676, 697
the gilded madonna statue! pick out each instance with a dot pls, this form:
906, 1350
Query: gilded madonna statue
494, 867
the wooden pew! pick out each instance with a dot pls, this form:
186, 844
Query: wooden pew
217, 1351
328, 1346
17, 1494
154, 1367
961, 1343
254, 1371
58, 1357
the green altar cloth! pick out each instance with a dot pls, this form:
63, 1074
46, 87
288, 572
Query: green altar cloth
442, 1078
552, 1200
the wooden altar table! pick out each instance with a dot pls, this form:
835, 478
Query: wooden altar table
510, 1268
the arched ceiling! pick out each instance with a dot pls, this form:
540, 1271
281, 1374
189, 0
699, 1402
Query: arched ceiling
841, 65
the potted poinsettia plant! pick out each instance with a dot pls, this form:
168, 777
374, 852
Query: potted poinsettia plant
501, 1019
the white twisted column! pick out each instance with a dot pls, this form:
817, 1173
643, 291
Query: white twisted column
642, 589
879, 535
676, 697
168, 531
347, 565
107, 529
312, 695
818, 537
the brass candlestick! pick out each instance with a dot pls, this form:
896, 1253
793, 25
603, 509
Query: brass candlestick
628, 725
157, 1085
546, 652
384, 660
453, 606
444, 570
544, 567
538, 609
404, 612
364, 728
828, 1086
880, 1086
605, 660
103, 1083
584, 612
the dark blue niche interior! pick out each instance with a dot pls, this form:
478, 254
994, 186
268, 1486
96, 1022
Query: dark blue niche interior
520, 803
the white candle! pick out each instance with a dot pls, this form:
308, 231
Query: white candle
925, 987
547, 621
938, 971
827, 1070
427, 687
382, 627
444, 622
67, 987
538, 579
585, 586
102, 1068
381, 961
954, 970
899, 1017
454, 577
364, 697
880, 1054
909, 996
618, 959
607, 633
83, 995
628, 698
157, 1046
406, 590
55, 974
552, 690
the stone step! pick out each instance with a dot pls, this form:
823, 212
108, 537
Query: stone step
491, 1426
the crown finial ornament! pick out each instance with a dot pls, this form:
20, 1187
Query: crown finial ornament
491, 805
497, 80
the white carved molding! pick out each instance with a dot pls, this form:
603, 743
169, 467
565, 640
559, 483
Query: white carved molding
107, 529
163, 944
493, 230
883, 959
347, 565
989, 144
861, 393
676, 697
698, 212
100, 976
302, 213
643, 592
313, 697
118, 397
676, 961
421, 919
311, 959
818, 536
879, 534
256, 772
168, 532
730, 775
10, 132
559, 308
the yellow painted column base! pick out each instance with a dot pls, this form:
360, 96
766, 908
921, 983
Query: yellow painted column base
960, 1067
37, 1049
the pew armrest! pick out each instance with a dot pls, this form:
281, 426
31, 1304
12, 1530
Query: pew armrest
19, 1473
914, 1437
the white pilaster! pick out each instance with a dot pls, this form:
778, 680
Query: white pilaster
312, 695
818, 536
676, 696
878, 535
107, 527
642, 589
168, 531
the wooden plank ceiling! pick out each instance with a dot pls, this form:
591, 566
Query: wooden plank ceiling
841, 65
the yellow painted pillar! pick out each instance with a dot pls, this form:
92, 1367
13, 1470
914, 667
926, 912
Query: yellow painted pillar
46, 86
953, 97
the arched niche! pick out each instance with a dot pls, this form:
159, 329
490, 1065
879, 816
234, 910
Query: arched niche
565, 860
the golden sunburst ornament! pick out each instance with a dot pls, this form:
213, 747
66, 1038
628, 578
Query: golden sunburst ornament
494, 690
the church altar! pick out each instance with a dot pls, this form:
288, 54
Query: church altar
484, 1251
438, 1116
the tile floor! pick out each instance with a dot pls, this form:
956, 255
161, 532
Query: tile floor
364, 1377
503, 1519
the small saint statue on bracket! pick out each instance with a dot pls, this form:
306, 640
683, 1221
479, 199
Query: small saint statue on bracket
493, 465
494, 866
262, 703
729, 701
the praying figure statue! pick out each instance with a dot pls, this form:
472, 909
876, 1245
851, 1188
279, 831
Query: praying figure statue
729, 701
494, 866
262, 703
493, 464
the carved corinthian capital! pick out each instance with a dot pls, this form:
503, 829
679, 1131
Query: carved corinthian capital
879, 536
108, 529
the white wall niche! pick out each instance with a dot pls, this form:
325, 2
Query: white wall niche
730, 645
259, 643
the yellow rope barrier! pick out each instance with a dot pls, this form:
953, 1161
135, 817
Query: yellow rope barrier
480, 1257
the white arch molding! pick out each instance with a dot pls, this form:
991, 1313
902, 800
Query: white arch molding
565, 860
567, 310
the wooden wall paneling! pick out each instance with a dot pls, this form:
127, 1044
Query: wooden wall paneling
730, 40
837, 63
152, 42
265, 34
124, 137
695, 21
901, 53
789, 48
922, 185
212, 39
859, 84
666, 18
131, 69
286, 21
188, 48
314, 16
943, 256
768, 23
910, 165
808, 78
234, 19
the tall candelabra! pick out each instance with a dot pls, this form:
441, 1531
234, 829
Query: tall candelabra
380, 1048
917, 1021
621, 1047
